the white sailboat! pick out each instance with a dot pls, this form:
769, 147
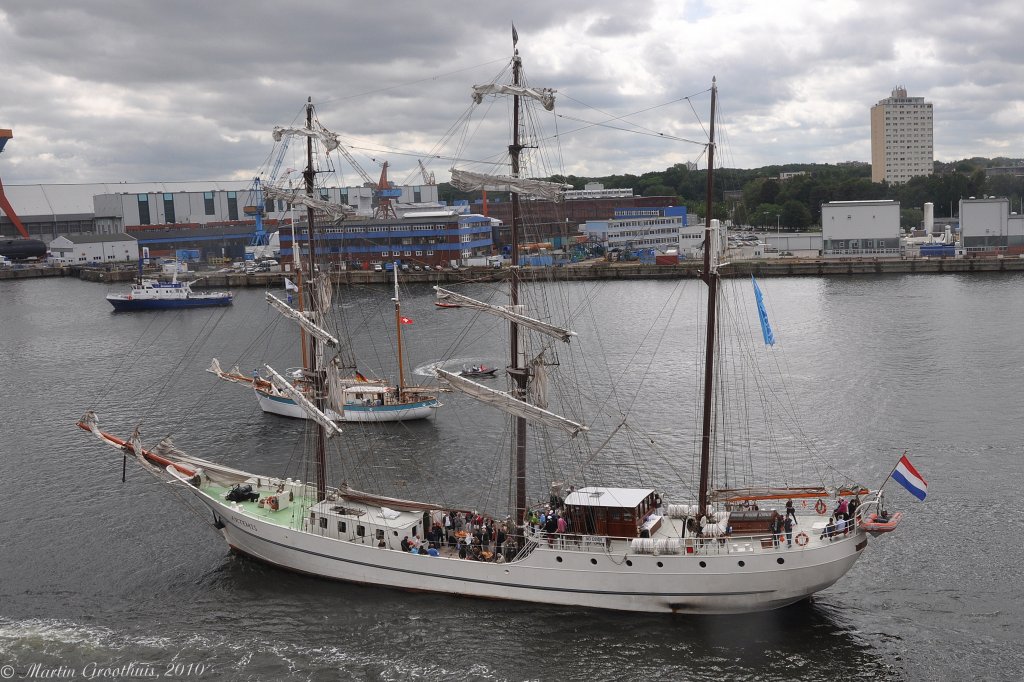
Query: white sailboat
624, 548
351, 397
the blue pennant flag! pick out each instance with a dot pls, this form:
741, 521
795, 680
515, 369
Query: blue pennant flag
766, 329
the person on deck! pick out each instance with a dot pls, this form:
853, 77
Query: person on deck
854, 503
791, 511
788, 525
842, 509
776, 529
830, 529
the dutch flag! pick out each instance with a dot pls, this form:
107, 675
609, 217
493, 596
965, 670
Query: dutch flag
906, 475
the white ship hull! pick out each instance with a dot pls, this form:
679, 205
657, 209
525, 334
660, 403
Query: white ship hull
719, 578
286, 407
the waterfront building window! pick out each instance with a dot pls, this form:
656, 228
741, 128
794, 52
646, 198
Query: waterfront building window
208, 203
232, 206
168, 207
143, 209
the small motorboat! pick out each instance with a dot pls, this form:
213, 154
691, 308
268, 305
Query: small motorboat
478, 371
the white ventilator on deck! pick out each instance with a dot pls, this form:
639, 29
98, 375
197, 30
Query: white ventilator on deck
509, 403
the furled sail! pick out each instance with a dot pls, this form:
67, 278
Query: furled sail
509, 403
771, 493
336, 211
503, 311
282, 384
320, 333
467, 181
546, 96
326, 137
136, 445
538, 388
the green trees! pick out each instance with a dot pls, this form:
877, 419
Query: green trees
757, 196
797, 199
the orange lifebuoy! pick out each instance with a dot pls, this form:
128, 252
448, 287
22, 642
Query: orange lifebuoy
801, 538
820, 507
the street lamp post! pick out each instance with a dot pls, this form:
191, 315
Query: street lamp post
778, 225
764, 221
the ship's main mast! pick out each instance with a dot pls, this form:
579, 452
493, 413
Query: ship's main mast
516, 369
711, 278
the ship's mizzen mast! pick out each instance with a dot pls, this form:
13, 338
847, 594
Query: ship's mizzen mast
711, 278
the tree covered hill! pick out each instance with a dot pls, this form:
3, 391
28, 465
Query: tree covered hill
759, 198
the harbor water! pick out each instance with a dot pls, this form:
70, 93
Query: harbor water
109, 580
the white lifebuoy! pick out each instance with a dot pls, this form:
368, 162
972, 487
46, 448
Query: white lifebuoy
801, 538
819, 506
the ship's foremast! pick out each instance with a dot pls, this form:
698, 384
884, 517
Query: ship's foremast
316, 374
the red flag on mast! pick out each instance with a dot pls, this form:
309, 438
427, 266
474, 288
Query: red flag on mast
405, 320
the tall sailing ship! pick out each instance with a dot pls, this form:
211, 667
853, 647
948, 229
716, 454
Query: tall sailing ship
623, 548
350, 396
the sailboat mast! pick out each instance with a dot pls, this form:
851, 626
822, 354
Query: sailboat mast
516, 371
314, 305
398, 330
297, 262
711, 278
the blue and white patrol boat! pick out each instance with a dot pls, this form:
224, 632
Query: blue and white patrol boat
152, 294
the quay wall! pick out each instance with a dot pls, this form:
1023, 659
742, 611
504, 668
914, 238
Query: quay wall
789, 267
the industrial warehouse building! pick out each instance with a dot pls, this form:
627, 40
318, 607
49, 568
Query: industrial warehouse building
987, 225
94, 249
860, 229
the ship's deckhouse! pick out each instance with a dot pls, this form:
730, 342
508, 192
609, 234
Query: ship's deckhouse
619, 512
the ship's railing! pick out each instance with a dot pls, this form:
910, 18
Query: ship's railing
725, 544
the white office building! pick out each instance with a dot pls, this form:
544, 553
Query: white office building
632, 229
901, 138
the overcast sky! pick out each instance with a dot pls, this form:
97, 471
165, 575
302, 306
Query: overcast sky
108, 91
